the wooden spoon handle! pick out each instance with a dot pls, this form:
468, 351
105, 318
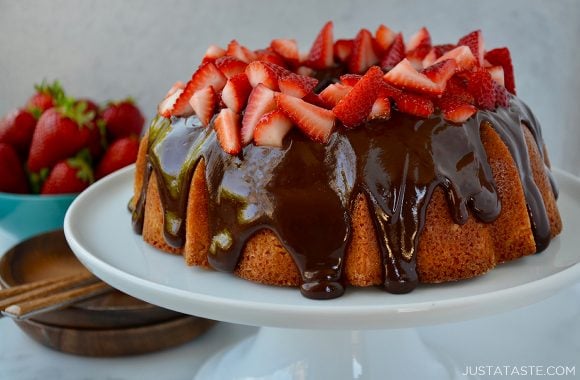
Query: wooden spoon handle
30, 308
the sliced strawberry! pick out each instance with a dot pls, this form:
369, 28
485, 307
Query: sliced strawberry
502, 57
166, 106
354, 108
363, 55
497, 74
203, 103
236, 92
297, 85
207, 75
316, 122
268, 55
442, 49
388, 91
430, 58
457, 88
271, 129
414, 105
321, 53
260, 101
287, 49
405, 76
455, 110
421, 38
179, 85
230, 66
384, 37
305, 70
332, 94
350, 79
474, 41
315, 99
381, 109
227, 128
439, 73
481, 85
266, 73
462, 55
502, 97
250, 55
395, 54
342, 50
212, 53
238, 51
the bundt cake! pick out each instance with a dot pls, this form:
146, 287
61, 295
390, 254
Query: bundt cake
368, 161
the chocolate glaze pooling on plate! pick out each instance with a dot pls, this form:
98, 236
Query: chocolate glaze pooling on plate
304, 191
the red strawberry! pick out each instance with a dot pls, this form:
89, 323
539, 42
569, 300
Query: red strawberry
457, 88
350, 79
316, 122
381, 109
90, 106
474, 41
384, 37
236, 92
354, 108
46, 97
68, 176
12, 175
123, 119
430, 58
455, 110
321, 55
406, 77
297, 85
439, 73
332, 94
268, 55
363, 55
502, 57
55, 126
414, 105
314, 99
271, 129
227, 127
266, 73
121, 153
240, 52
203, 103
230, 66
207, 75
462, 55
388, 91
395, 54
342, 50
496, 73
305, 70
287, 49
481, 86
421, 38
261, 101
179, 85
212, 53
166, 106
16, 129
442, 49
502, 98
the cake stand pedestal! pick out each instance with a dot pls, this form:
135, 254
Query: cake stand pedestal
365, 334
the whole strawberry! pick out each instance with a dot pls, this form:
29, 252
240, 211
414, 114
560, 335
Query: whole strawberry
121, 153
46, 96
12, 175
123, 119
16, 129
60, 133
68, 176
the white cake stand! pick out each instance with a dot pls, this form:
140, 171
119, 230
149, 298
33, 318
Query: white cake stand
367, 333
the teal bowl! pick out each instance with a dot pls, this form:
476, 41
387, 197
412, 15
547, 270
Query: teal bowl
26, 215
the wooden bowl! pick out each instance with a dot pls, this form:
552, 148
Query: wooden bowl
48, 255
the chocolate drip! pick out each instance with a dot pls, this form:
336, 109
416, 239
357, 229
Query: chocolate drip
304, 192
138, 211
508, 124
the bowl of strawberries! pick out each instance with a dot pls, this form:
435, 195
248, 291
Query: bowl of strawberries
55, 147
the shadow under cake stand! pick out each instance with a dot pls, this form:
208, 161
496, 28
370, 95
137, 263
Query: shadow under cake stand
366, 333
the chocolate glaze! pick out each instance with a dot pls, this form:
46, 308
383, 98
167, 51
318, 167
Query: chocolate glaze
304, 192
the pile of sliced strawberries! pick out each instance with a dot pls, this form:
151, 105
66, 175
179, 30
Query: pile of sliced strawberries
259, 96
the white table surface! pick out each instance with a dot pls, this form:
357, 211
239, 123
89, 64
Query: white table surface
543, 334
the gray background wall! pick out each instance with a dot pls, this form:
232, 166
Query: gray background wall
111, 49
